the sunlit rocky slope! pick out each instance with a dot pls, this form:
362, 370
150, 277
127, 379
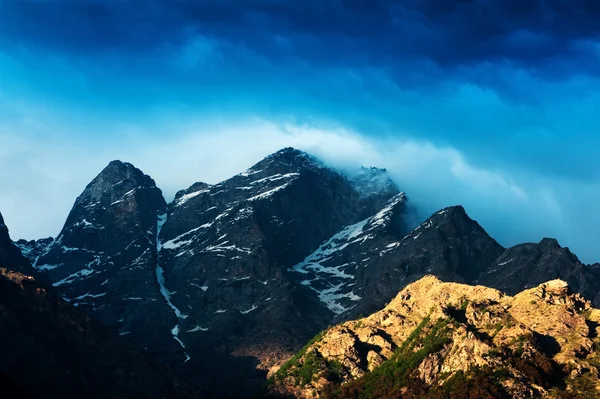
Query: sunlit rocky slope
449, 340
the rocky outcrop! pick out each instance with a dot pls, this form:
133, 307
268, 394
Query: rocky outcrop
375, 189
33, 249
49, 349
527, 265
10, 254
435, 336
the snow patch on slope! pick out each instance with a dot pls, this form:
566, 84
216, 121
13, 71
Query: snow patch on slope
186, 197
253, 308
196, 329
160, 278
268, 193
74, 276
166, 293
331, 276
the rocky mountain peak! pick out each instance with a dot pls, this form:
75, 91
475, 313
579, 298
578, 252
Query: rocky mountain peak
453, 223
286, 160
292, 154
33, 249
528, 265
372, 180
122, 170
10, 254
113, 182
548, 244
374, 187
453, 214
120, 188
452, 231
106, 254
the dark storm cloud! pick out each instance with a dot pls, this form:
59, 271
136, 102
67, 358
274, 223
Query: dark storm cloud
553, 38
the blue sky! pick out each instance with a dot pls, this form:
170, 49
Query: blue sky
491, 104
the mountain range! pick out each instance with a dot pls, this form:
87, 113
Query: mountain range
229, 280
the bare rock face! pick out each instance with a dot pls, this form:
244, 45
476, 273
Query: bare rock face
528, 265
435, 336
33, 249
10, 254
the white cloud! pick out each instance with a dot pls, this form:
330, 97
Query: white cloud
40, 179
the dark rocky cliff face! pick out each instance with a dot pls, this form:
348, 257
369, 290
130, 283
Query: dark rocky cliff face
49, 349
375, 189
528, 265
33, 249
10, 254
